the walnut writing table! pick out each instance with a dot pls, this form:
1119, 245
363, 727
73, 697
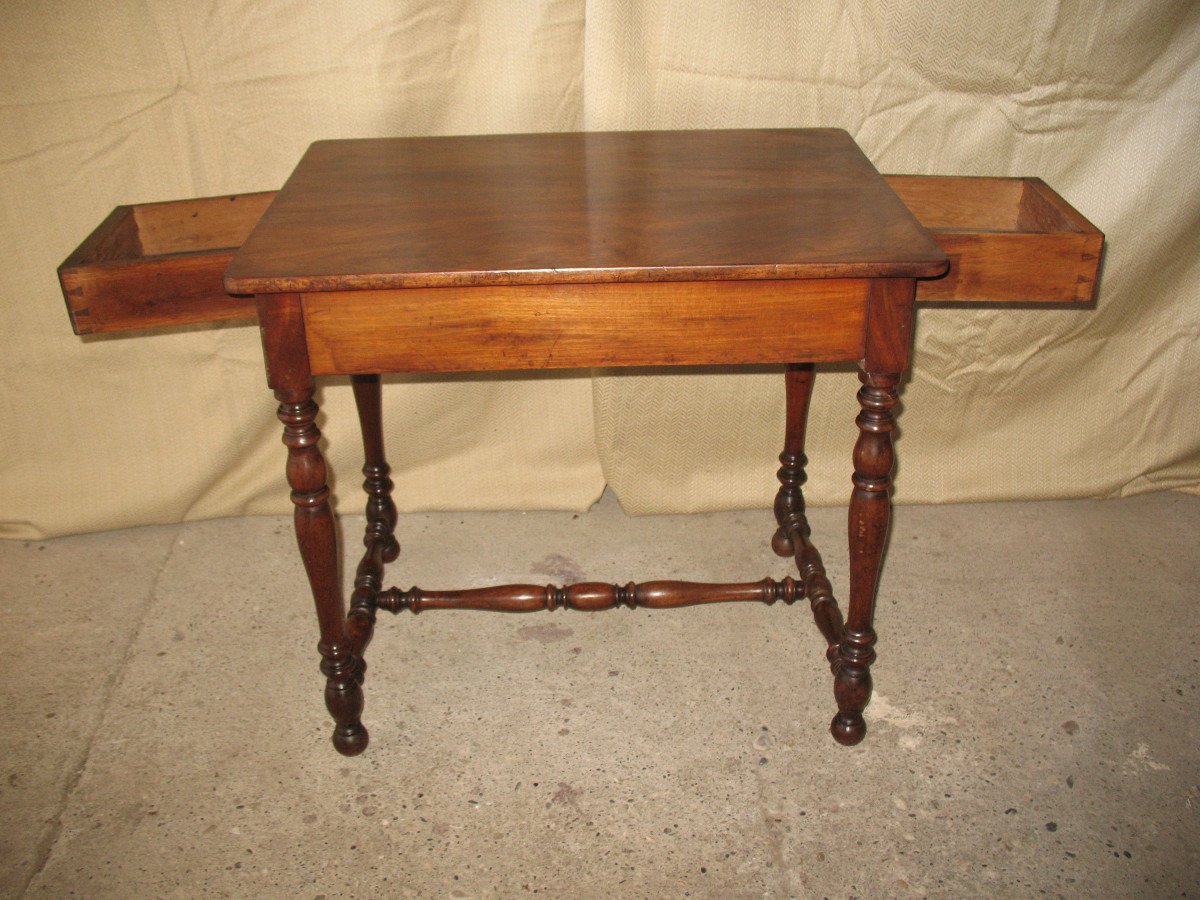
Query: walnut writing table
576, 250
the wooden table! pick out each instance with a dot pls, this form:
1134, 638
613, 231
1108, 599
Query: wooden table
518, 252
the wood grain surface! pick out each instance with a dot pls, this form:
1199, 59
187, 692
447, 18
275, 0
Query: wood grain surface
574, 325
581, 207
153, 265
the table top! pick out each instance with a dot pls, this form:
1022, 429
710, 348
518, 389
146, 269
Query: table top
581, 207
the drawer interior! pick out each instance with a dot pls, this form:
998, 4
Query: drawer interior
194, 226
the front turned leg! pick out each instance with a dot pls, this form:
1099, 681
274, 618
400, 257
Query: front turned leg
870, 514
306, 475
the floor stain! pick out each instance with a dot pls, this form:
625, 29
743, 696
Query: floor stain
565, 569
567, 795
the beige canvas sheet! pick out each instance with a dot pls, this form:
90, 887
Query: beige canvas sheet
104, 104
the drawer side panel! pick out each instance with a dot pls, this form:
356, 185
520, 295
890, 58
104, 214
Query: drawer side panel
1010, 240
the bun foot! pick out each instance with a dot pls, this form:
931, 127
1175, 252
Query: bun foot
782, 544
350, 740
848, 729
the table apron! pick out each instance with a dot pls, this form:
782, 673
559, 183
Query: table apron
585, 325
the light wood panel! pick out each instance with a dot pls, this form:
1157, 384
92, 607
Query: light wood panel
160, 264
569, 326
1010, 240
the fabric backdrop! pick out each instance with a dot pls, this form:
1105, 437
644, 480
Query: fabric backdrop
106, 104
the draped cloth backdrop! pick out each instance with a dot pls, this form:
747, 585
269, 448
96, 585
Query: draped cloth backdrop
106, 104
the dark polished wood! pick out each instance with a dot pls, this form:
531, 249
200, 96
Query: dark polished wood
282, 325
789, 501
600, 249
581, 208
826, 612
589, 596
379, 539
888, 346
523, 252
870, 515
792, 536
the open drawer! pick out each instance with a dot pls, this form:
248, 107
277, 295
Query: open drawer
153, 265
1010, 240
159, 264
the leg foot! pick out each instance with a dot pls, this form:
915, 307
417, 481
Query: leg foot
852, 686
344, 700
848, 729
350, 742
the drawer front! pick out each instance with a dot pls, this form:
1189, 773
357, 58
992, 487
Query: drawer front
577, 326
1010, 240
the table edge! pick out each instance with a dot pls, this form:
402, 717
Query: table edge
931, 267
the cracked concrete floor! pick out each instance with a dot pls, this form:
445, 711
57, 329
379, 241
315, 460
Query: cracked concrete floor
1034, 727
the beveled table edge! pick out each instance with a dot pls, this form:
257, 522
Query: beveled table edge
496, 278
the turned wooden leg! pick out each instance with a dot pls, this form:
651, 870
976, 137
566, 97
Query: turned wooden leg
870, 513
792, 536
318, 547
381, 512
379, 540
281, 326
789, 502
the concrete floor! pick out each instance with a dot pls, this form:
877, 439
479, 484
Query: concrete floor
1034, 728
